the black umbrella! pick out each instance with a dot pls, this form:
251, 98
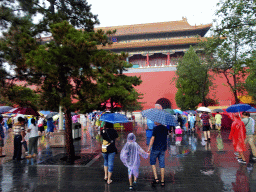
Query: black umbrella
218, 110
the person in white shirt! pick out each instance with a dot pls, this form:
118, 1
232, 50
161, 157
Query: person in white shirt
33, 138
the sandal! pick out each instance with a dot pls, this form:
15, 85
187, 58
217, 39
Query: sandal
131, 188
106, 179
109, 182
162, 184
155, 181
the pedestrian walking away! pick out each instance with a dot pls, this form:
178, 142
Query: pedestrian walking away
249, 126
33, 138
158, 146
206, 125
130, 156
238, 135
109, 149
218, 118
19, 133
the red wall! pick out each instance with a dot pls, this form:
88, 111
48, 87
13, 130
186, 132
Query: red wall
156, 85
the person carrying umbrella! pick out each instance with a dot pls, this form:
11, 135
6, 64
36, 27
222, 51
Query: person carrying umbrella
218, 118
158, 146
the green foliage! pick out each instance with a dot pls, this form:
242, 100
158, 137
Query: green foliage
22, 96
116, 86
250, 83
233, 41
192, 82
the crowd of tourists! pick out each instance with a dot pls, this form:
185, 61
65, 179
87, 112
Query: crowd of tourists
242, 133
25, 130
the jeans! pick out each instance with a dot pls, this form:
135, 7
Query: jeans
157, 154
109, 160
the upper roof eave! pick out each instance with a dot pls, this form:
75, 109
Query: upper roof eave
161, 27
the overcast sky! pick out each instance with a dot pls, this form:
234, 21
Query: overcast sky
120, 12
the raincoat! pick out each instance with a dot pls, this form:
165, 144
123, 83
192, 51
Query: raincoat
238, 134
130, 155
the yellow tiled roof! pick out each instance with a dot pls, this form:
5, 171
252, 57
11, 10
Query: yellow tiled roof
160, 27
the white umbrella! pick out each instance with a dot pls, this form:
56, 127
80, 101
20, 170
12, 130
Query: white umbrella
204, 109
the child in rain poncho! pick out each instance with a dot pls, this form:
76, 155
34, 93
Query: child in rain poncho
131, 159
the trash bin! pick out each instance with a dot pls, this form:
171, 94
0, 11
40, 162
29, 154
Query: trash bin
76, 130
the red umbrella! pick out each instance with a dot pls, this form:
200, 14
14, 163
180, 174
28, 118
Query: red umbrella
26, 111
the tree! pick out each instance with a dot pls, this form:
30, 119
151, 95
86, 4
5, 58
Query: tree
233, 42
115, 85
192, 81
250, 82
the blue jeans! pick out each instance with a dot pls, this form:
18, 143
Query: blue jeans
109, 160
157, 154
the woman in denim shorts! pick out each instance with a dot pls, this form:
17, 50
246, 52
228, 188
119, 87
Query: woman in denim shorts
109, 134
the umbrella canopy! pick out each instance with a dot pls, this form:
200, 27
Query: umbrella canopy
177, 111
51, 115
252, 110
11, 111
218, 110
184, 113
191, 111
4, 109
160, 116
238, 108
114, 118
204, 109
170, 111
45, 112
26, 111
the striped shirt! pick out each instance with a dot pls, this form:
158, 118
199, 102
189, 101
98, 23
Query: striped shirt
17, 129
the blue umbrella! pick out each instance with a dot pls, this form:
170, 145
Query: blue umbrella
114, 118
160, 116
4, 109
177, 111
238, 108
45, 112
252, 110
191, 111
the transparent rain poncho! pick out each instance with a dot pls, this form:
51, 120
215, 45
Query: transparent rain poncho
130, 155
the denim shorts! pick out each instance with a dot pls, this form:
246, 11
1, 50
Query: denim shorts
109, 160
157, 154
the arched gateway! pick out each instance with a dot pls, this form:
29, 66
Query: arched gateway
165, 103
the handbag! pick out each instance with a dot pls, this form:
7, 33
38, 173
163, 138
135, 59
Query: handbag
178, 130
105, 144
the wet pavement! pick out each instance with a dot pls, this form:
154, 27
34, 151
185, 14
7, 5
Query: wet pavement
191, 165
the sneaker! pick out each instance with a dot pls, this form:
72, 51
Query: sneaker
241, 161
254, 158
131, 188
26, 153
236, 153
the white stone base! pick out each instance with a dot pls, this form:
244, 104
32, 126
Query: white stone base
58, 139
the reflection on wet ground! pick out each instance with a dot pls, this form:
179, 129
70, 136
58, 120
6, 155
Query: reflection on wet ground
191, 165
